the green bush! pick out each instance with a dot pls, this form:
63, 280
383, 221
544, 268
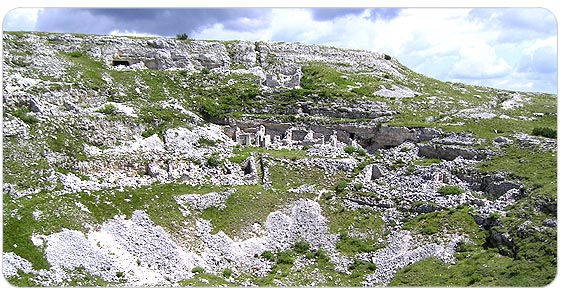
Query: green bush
349, 149
207, 142
544, 132
227, 273
214, 160
182, 36
301, 247
341, 186
450, 190
268, 255
358, 186
198, 270
108, 109
285, 257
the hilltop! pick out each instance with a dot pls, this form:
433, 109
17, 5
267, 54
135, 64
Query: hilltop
164, 162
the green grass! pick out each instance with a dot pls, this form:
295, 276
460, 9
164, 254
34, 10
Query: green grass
248, 205
60, 211
23, 114
207, 142
538, 172
474, 267
452, 220
450, 190
343, 221
214, 160
426, 161
159, 119
198, 281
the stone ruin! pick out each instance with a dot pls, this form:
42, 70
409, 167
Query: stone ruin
293, 136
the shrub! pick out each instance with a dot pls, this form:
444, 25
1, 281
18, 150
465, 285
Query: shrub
341, 186
24, 115
214, 160
544, 132
349, 149
494, 217
108, 109
397, 164
387, 57
182, 36
207, 142
358, 186
205, 71
268, 255
450, 190
198, 270
227, 273
285, 257
301, 247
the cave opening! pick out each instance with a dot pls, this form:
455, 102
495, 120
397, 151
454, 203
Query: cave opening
120, 63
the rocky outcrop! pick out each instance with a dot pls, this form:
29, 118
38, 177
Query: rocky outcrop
494, 184
448, 152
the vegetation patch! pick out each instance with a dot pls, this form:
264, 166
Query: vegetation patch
545, 132
452, 220
108, 109
450, 190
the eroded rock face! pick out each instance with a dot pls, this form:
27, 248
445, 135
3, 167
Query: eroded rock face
450, 152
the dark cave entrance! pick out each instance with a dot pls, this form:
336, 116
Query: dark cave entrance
119, 63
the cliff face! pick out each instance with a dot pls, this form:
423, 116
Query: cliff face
169, 162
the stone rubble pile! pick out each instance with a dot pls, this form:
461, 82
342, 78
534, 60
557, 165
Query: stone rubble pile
400, 252
140, 253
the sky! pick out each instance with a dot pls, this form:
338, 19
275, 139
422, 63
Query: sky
507, 48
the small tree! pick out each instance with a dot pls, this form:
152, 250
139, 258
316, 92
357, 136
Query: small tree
182, 36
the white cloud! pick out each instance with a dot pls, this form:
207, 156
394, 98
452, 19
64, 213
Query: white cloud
131, 33
218, 32
20, 19
448, 44
479, 61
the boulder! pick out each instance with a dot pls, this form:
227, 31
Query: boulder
377, 172
425, 208
35, 106
155, 171
499, 188
548, 222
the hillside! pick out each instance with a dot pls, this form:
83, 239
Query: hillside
163, 162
